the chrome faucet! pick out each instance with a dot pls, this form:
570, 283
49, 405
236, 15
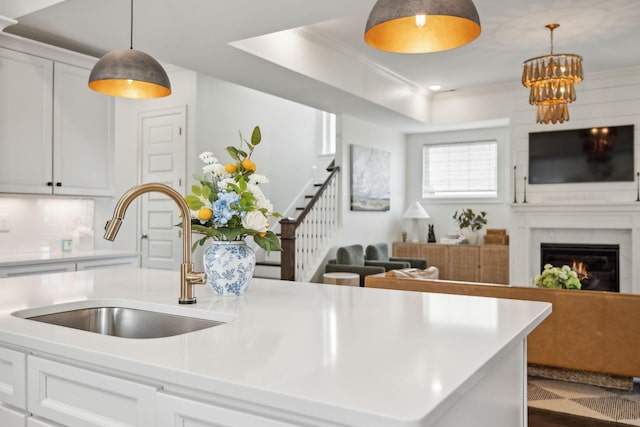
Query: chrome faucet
188, 277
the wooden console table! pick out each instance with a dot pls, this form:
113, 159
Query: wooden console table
468, 263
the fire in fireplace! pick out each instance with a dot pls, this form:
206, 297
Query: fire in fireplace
597, 265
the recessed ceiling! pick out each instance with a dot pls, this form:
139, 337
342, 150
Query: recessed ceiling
325, 63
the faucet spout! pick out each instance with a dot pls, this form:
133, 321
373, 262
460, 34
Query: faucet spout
188, 277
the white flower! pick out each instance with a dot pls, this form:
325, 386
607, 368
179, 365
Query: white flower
208, 157
257, 179
254, 220
224, 183
261, 202
216, 169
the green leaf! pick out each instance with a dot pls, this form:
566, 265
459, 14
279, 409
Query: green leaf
233, 152
256, 136
194, 202
206, 191
269, 242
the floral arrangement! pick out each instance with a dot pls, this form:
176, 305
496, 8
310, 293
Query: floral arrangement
467, 218
558, 277
229, 204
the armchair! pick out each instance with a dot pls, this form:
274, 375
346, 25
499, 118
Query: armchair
380, 252
350, 259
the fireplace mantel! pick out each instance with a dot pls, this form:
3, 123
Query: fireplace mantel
613, 223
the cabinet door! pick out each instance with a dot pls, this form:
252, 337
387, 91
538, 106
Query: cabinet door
82, 142
10, 417
437, 255
13, 369
494, 264
79, 397
26, 84
464, 263
174, 411
407, 250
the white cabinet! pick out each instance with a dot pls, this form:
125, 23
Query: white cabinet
13, 388
26, 132
175, 411
12, 377
82, 148
10, 417
30, 269
79, 397
131, 261
69, 265
55, 133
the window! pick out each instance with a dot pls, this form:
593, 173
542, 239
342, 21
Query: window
460, 170
328, 133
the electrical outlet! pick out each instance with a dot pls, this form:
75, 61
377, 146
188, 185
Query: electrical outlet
5, 223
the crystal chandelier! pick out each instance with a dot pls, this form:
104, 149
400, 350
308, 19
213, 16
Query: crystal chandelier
551, 79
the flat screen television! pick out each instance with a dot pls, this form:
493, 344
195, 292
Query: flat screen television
603, 154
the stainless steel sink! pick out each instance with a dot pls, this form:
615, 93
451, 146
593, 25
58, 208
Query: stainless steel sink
121, 321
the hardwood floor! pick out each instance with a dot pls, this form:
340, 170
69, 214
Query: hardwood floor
544, 418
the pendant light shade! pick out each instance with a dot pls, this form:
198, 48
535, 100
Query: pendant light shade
421, 26
129, 73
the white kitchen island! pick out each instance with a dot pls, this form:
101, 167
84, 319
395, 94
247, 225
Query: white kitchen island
289, 354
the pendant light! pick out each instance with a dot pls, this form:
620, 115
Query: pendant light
130, 73
421, 26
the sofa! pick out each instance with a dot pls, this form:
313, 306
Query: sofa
351, 259
588, 331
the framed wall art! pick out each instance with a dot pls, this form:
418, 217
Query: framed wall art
370, 179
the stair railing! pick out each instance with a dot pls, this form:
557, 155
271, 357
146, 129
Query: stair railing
305, 237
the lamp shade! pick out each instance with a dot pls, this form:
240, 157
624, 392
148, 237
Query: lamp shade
129, 73
421, 26
416, 211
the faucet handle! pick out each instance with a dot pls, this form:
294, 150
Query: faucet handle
196, 278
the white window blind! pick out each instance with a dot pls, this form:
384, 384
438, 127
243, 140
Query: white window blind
468, 169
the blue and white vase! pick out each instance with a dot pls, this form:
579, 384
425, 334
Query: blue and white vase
229, 267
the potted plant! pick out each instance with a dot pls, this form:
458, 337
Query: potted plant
470, 223
558, 278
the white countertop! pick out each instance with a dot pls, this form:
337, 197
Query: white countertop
370, 356
7, 260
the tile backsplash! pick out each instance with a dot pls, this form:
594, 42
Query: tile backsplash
33, 224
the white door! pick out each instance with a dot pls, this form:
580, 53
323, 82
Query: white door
163, 143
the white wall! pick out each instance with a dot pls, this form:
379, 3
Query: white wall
38, 224
442, 210
127, 156
370, 227
291, 135
603, 99
216, 111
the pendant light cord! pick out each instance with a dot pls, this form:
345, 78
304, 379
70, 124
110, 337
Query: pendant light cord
131, 29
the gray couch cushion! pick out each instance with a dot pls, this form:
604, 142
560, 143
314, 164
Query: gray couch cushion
379, 252
350, 255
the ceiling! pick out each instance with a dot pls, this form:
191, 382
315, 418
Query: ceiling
314, 53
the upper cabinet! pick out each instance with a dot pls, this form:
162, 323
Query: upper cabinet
26, 123
55, 133
82, 142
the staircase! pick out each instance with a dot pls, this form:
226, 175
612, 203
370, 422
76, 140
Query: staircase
307, 238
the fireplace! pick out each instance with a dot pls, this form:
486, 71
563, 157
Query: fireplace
597, 265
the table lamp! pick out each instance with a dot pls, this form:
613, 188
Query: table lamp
416, 212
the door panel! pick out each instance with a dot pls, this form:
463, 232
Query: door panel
163, 160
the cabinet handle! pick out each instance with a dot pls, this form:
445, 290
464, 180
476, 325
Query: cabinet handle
49, 184
144, 236
58, 184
